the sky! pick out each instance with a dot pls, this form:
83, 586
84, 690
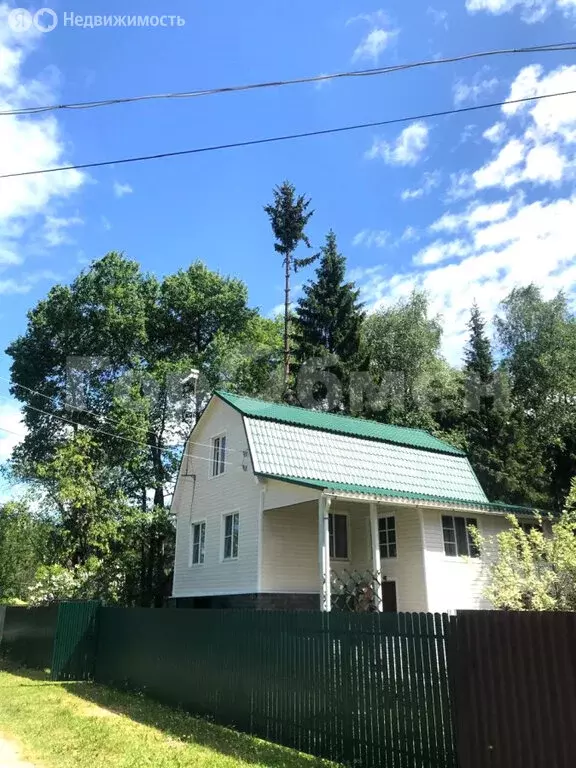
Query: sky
465, 207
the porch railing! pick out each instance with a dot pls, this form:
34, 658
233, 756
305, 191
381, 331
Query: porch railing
356, 591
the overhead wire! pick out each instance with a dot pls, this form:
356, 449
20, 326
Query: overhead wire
92, 413
546, 48
289, 137
121, 437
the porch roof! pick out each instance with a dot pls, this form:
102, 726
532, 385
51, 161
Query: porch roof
367, 493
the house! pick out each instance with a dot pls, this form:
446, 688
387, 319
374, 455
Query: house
281, 507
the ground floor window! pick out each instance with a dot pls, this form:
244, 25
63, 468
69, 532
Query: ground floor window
338, 536
198, 540
231, 532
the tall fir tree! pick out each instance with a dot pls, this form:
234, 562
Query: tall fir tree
484, 423
329, 318
289, 214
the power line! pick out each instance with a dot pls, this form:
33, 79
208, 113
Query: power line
288, 137
117, 437
549, 48
11, 432
113, 422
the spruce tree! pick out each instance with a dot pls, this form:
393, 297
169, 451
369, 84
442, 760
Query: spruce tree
485, 423
329, 316
289, 215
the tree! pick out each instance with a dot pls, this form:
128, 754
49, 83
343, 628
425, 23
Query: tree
329, 316
484, 419
107, 354
538, 341
25, 543
289, 215
403, 345
533, 568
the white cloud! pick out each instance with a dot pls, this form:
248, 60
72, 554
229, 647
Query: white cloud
381, 34
370, 238
122, 189
26, 144
430, 181
10, 419
530, 10
55, 229
496, 133
485, 246
471, 91
439, 17
106, 224
439, 251
406, 150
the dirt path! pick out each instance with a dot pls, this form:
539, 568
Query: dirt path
10, 757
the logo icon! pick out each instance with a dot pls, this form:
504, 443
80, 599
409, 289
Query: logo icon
21, 20
45, 20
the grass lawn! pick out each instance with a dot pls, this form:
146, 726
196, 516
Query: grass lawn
81, 725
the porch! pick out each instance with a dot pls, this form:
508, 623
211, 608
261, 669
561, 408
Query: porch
350, 555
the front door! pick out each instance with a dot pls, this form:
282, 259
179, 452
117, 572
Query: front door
389, 596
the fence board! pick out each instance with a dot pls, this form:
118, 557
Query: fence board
28, 636
514, 680
327, 684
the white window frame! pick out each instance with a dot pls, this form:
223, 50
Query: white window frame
232, 558
348, 541
222, 462
381, 516
191, 563
458, 556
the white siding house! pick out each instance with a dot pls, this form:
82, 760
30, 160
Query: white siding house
279, 507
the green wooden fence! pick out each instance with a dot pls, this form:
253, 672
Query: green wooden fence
28, 635
367, 690
75, 641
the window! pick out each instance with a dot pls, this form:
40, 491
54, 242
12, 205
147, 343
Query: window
457, 538
387, 536
527, 527
231, 528
218, 455
198, 539
338, 525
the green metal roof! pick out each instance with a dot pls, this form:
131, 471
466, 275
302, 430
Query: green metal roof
330, 422
368, 490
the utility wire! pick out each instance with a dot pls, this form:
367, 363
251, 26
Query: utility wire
93, 413
288, 137
118, 437
549, 48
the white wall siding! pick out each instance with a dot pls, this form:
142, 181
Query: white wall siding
457, 583
280, 494
290, 550
209, 498
407, 568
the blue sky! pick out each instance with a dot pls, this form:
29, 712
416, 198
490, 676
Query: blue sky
465, 207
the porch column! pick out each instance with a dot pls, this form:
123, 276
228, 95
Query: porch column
324, 552
376, 566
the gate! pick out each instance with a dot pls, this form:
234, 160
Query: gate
75, 641
514, 688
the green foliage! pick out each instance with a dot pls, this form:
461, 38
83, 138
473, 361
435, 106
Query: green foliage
403, 345
124, 341
329, 317
536, 569
289, 215
25, 541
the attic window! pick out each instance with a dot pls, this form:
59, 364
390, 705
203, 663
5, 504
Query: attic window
218, 455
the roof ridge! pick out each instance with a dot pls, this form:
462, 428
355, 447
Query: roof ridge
222, 392
322, 421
